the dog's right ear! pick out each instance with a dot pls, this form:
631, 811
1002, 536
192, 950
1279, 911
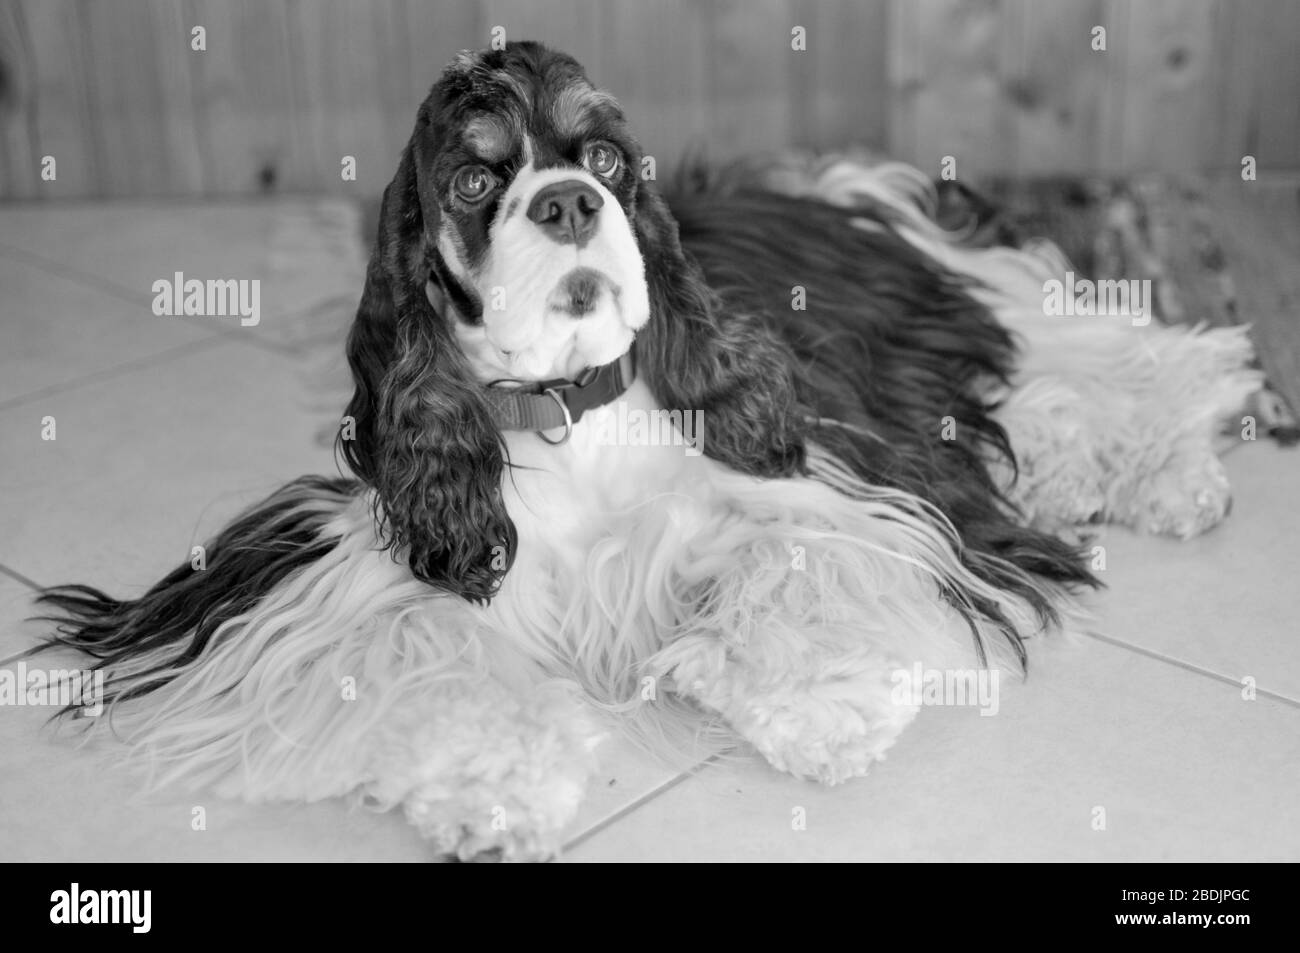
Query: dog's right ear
423, 436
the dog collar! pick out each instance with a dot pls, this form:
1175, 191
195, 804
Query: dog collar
545, 405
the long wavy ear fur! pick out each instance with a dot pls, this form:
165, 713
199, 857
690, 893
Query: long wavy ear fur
737, 372
424, 438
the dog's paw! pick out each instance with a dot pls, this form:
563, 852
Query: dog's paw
1186, 498
526, 829
825, 731
525, 824
485, 776
828, 719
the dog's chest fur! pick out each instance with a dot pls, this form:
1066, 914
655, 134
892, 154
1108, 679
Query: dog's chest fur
561, 495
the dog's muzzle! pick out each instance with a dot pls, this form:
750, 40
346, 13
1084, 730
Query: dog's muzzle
563, 280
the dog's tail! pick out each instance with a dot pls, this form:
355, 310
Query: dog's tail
142, 644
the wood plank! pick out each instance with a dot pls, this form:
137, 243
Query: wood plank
66, 126
423, 39
286, 88
341, 56
247, 98
139, 62
946, 79
1257, 109
429, 38
1056, 85
750, 64
20, 156
1108, 153
1170, 72
657, 66
839, 87
903, 73
570, 26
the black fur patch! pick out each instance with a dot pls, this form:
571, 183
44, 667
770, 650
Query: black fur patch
891, 343
245, 562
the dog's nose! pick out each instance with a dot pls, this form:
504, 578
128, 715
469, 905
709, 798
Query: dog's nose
566, 211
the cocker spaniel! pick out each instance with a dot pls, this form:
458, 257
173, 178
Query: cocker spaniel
705, 470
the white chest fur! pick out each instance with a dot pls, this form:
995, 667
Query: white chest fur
618, 456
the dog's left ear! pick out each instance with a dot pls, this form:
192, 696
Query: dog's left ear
424, 437
697, 357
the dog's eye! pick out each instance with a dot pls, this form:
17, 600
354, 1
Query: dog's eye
473, 182
602, 159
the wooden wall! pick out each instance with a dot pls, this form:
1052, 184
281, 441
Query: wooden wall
285, 88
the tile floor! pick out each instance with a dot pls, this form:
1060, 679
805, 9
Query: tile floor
167, 426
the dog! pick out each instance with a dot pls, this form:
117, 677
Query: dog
705, 471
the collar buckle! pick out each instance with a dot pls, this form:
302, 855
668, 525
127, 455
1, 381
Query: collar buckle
568, 419
546, 405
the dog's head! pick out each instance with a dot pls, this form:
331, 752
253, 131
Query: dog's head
520, 241
528, 182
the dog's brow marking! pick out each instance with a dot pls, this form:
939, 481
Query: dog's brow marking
574, 104
489, 137
512, 208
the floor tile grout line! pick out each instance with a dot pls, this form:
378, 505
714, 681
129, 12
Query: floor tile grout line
97, 283
163, 356
637, 804
10, 659
115, 371
1189, 667
19, 577
31, 584
121, 292
71, 273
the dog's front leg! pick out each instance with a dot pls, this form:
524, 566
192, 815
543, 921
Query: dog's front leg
806, 605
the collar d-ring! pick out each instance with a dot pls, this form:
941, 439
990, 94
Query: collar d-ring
568, 419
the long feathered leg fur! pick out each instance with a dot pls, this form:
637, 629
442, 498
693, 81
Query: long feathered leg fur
1110, 420
304, 662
